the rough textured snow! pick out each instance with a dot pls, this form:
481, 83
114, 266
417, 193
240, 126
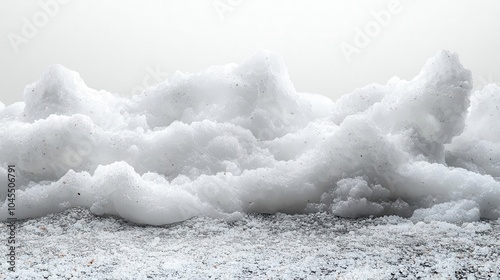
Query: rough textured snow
239, 139
78, 245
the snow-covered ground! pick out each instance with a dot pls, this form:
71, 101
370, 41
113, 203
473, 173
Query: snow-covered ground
206, 156
76, 244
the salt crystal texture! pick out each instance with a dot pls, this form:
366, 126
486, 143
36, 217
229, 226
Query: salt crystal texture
238, 139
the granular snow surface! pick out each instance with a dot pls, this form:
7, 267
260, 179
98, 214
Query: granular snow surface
231, 173
76, 244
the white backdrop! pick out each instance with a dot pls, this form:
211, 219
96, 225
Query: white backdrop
330, 47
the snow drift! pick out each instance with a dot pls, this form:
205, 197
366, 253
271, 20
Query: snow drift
238, 138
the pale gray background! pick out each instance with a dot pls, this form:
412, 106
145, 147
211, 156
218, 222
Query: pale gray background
113, 43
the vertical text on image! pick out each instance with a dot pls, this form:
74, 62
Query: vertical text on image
11, 225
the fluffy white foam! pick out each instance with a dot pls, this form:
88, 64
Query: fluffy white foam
238, 138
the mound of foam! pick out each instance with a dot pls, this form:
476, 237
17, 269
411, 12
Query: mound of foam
238, 138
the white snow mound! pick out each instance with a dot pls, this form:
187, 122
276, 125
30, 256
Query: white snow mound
238, 138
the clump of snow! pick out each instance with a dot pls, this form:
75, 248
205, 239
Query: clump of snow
477, 148
454, 211
239, 139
